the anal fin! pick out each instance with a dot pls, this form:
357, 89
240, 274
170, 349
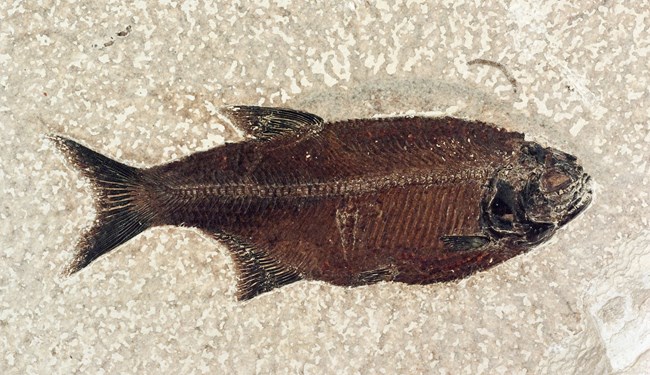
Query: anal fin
257, 271
464, 243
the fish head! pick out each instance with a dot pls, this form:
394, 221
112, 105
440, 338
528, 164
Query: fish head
543, 190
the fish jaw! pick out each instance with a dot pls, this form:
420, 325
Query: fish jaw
559, 192
528, 200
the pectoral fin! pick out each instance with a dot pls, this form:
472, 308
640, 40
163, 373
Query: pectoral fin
464, 243
265, 123
385, 273
257, 271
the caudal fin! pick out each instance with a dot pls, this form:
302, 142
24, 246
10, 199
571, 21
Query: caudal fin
120, 201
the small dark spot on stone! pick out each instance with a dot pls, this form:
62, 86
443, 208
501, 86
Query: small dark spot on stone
499, 66
125, 32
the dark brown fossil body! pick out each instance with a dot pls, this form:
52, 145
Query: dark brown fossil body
413, 199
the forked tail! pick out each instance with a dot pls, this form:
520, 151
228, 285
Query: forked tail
121, 202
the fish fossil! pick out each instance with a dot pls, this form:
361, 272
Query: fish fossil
409, 199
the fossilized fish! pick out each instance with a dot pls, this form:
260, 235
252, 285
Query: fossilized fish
409, 199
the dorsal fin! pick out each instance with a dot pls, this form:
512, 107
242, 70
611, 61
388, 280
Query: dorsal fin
265, 123
257, 271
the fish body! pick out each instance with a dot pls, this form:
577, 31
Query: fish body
408, 199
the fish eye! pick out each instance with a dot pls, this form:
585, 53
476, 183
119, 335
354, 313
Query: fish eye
554, 180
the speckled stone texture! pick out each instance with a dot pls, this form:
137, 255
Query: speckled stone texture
142, 82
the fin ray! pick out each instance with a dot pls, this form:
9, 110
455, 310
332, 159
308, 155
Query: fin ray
117, 187
265, 123
257, 271
464, 243
384, 273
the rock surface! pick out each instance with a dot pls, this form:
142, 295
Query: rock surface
143, 82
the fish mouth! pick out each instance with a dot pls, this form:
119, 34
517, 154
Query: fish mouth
565, 205
581, 198
561, 205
